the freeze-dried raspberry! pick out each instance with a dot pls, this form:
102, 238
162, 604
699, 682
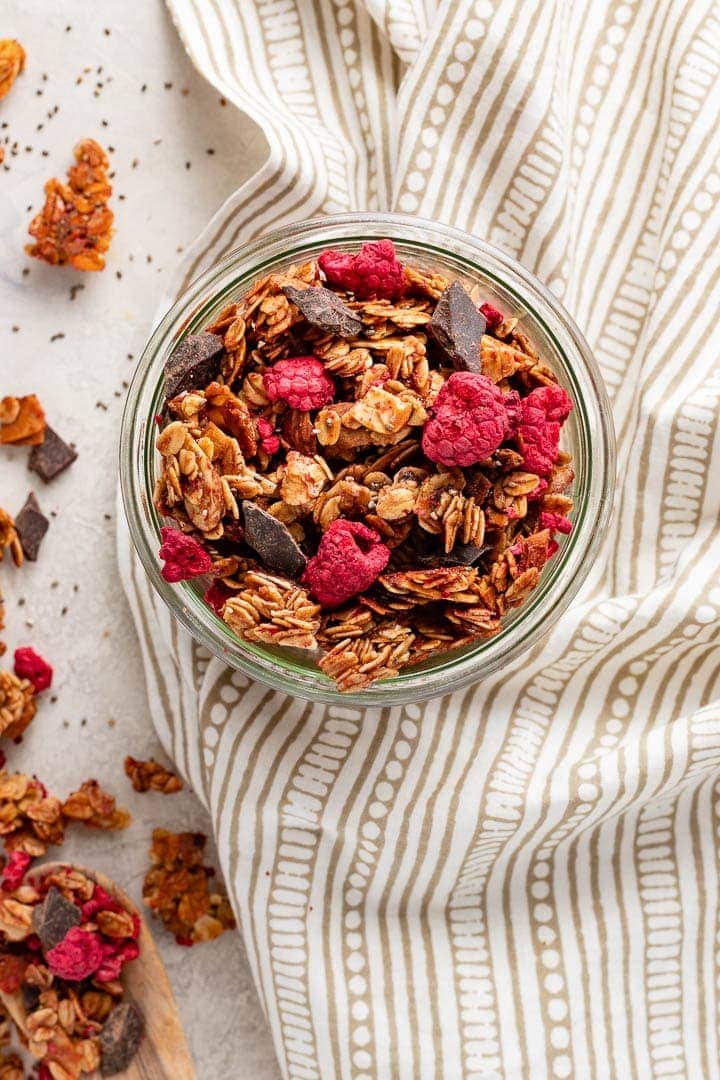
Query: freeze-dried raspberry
555, 522
538, 491
12, 972
373, 271
28, 665
14, 871
78, 955
542, 414
468, 421
269, 441
553, 548
512, 408
301, 381
184, 557
216, 595
99, 901
115, 954
350, 557
492, 316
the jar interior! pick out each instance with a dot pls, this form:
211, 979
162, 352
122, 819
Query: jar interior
283, 667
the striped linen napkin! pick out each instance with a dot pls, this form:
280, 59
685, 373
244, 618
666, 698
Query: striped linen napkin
522, 879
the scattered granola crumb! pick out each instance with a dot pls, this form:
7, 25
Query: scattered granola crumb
177, 889
75, 225
12, 62
151, 775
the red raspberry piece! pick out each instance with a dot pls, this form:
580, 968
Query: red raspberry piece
373, 271
269, 441
349, 559
468, 422
14, 871
99, 901
553, 548
184, 557
492, 316
539, 491
12, 972
555, 522
78, 955
29, 665
115, 954
216, 595
301, 381
542, 414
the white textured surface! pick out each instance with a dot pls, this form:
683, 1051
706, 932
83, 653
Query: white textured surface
101, 711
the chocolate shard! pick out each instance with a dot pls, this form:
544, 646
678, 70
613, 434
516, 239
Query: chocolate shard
457, 326
30, 997
54, 917
272, 541
120, 1038
427, 551
31, 526
51, 457
324, 308
194, 363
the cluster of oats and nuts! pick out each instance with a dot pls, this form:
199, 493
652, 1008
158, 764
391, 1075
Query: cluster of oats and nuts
364, 458
65, 942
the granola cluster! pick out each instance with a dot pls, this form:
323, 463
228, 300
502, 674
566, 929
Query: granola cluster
365, 459
12, 62
177, 889
32, 820
75, 225
64, 941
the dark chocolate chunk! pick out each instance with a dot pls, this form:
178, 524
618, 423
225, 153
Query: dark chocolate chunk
324, 308
195, 363
31, 525
120, 1038
458, 327
427, 551
52, 919
51, 457
272, 541
30, 997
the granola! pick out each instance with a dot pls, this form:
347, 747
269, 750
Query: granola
12, 62
177, 889
364, 458
32, 820
64, 942
75, 225
151, 776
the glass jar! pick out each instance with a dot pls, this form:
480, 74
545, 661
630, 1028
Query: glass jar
588, 435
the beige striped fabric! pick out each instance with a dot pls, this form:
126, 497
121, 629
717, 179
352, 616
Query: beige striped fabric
520, 880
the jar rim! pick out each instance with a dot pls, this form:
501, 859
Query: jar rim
442, 246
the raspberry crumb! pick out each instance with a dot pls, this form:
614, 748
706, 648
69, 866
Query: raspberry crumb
492, 316
29, 665
14, 871
468, 422
183, 556
216, 595
374, 271
269, 441
542, 414
350, 557
555, 522
301, 381
78, 955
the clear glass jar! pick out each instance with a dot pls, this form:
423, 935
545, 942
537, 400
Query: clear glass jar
588, 435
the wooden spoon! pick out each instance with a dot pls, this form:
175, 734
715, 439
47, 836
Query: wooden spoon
163, 1053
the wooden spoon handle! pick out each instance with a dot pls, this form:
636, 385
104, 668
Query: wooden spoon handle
163, 1054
